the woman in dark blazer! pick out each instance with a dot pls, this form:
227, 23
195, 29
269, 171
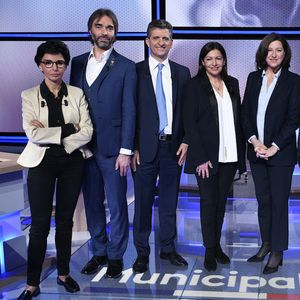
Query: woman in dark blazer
216, 146
270, 115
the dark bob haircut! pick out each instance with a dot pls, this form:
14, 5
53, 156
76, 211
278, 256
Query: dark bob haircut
262, 51
160, 24
205, 50
52, 47
101, 12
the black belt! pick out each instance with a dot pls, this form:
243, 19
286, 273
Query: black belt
165, 137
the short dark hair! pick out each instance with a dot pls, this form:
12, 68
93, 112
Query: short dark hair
262, 51
205, 50
52, 47
161, 24
99, 13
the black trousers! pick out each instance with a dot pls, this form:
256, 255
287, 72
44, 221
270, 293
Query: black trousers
272, 188
165, 166
66, 172
213, 196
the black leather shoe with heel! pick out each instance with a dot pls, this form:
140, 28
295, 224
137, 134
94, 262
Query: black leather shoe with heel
261, 254
210, 263
220, 256
274, 261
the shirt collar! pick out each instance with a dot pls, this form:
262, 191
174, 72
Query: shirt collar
104, 57
276, 74
45, 92
153, 63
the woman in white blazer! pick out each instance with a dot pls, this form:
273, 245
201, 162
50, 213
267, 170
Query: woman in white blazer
58, 126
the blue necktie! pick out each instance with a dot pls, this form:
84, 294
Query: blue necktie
161, 100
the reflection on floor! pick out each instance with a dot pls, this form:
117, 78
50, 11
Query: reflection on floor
239, 280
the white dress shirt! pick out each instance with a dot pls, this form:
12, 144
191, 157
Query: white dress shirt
167, 85
95, 66
227, 145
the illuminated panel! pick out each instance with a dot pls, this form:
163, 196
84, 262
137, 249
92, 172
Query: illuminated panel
233, 13
69, 15
19, 72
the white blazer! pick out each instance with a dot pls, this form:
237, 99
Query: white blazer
75, 112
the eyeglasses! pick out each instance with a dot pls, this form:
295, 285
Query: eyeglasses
49, 63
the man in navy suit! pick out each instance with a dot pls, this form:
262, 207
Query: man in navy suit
160, 148
109, 82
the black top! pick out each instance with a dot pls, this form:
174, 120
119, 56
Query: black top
55, 115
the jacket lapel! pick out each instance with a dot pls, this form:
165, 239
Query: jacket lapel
148, 80
174, 84
234, 100
43, 117
112, 60
212, 98
276, 92
82, 69
258, 83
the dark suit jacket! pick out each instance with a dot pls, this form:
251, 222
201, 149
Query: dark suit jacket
281, 118
201, 123
113, 112
147, 112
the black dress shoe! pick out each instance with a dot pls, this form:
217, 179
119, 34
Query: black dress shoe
93, 264
174, 258
220, 256
114, 268
69, 284
27, 295
262, 252
274, 261
210, 263
141, 264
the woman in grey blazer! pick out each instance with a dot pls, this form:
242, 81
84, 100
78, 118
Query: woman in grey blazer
58, 126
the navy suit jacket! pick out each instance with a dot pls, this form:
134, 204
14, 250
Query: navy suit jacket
201, 123
281, 119
147, 113
113, 112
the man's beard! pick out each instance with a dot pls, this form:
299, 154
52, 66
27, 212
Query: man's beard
103, 43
